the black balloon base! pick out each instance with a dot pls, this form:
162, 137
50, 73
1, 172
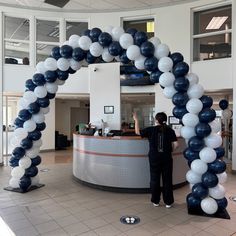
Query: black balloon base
223, 214
18, 190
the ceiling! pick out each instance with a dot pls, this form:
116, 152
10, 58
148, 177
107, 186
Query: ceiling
95, 6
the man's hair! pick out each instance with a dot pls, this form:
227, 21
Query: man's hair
161, 117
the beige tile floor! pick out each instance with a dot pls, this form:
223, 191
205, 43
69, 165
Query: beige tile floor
65, 207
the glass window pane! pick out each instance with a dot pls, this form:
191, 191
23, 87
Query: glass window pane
43, 51
16, 28
212, 20
212, 47
75, 28
47, 31
145, 25
16, 53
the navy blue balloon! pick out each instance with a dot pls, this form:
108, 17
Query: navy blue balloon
131, 31
181, 84
223, 104
207, 101
207, 115
25, 183
24, 114
155, 75
140, 37
90, 58
66, 51
176, 58
199, 191
36, 161
209, 180
115, 49
147, 49
193, 202
105, 39
40, 126
51, 95
220, 152
71, 71
43, 102
14, 162
38, 79
180, 99
18, 152
62, 75
33, 108
196, 143
34, 135
86, 32
222, 203
50, 76
123, 58
78, 54
55, 53
217, 167
94, 34
202, 130
180, 69
31, 171
190, 155
179, 112
18, 123
26, 143
151, 64
29, 84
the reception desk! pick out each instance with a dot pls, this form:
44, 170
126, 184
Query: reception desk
119, 163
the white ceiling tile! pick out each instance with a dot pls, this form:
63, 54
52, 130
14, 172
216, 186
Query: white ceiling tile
72, 5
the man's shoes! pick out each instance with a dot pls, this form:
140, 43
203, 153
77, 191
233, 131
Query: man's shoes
156, 204
168, 206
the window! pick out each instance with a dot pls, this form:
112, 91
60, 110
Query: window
75, 28
16, 40
212, 34
145, 25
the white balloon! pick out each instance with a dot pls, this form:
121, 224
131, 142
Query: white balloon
155, 41
96, 49
215, 126
165, 64
199, 166
222, 177
169, 91
85, 42
23, 104
37, 143
50, 64
117, 32
40, 67
162, 50
39, 117
29, 97
106, 56
66, 43
133, 52
213, 140
108, 29
227, 114
192, 78
25, 162
139, 62
73, 40
32, 152
207, 154
60, 82
29, 125
167, 79
20, 133
126, 40
195, 91
14, 182
75, 65
35, 180
193, 178
45, 110
217, 192
40, 91
209, 205
15, 142
51, 87
17, 172
194, 106
187, 132
63, 64
190, 119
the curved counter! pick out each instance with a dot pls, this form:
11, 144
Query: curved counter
119, 163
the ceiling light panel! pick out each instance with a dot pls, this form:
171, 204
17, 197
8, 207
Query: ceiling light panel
216, 22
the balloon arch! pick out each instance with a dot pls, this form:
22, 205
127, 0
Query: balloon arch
199, 129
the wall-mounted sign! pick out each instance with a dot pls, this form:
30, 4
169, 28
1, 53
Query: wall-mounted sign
108, 109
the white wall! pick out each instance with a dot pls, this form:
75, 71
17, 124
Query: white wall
104, 84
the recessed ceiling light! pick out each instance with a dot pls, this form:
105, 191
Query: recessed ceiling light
216, 22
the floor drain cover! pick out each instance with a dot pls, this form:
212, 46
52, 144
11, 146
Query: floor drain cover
130, 220
44, 170
232, 198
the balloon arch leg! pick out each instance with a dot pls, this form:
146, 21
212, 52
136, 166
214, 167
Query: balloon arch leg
199, 129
